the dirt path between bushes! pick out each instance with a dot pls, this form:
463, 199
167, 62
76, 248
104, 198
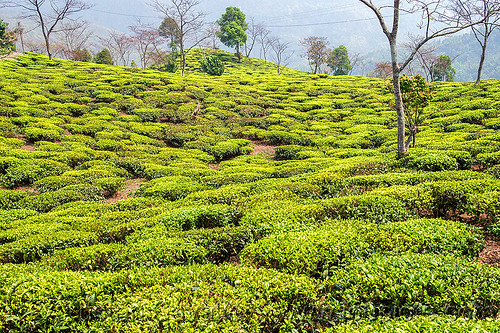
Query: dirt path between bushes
262, 147
491, 253
131, 186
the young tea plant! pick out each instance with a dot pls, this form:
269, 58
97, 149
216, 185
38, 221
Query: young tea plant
417, 94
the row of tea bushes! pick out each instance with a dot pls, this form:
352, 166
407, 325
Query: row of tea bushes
203, 298
235, 298
156, 247
417, 324
318, 252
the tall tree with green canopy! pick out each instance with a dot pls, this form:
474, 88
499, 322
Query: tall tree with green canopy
442, 70
232, 29
338, 60
104, 57
169, 29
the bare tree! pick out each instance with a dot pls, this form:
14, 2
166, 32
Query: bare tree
425, 57
281, 53
190, 22
147, 42
382, 70
316, 51
48, 14
73, 36
254, 31
119, 45
356, 61
265, 42
211, 31
486, 11
436, 21
19, 31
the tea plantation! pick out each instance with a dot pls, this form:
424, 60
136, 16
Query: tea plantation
143, 201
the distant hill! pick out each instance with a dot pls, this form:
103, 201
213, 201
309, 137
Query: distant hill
346, 22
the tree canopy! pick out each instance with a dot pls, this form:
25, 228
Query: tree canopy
104, 57
232, 29
338, 60
442, 70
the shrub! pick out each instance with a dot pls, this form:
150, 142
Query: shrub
169, 188
449, 324
372, 208
104, 57
47, 201
212, 65
489, 159
429, 161
33, 247
25, 172
209, 216
10, 199
34, 134
241, 298
317, 251
425, 284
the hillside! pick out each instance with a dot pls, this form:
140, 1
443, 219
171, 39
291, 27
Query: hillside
137, 201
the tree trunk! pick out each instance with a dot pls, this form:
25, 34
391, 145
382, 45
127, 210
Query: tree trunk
183, 57
398, 99
238, 52
47, 45
183, 69
481, 63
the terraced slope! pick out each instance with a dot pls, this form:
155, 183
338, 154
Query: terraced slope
143, 201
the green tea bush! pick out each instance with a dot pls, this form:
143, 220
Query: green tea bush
247, 299
288, 152
316, 252
415, 284
33, 247
47, 201
212, 65
155, 247
429, 161
454, 197
206, 216
10, 199
372, 208
169, 188
34, 134
25, 172
438, 324
489, 159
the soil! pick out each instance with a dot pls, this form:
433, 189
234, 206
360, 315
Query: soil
491, 253
266, 149
28, 147
131, 186
12, 56
214, 166
28, 189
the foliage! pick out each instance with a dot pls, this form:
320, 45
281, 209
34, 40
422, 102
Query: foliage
168, 63
212, 65
316, 52
442, 70
104, 57
338, 61
7, 39
154, 187
232, 29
